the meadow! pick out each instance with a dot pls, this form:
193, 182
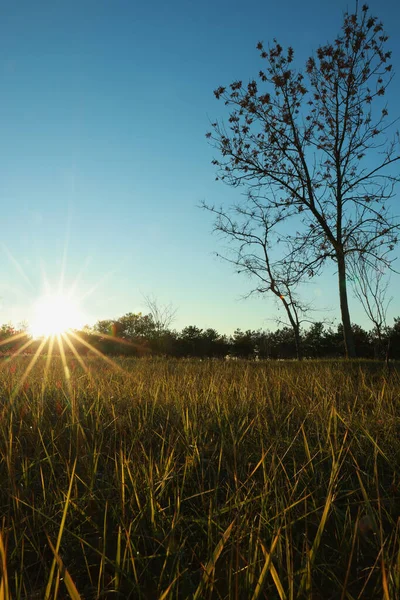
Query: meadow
168, 479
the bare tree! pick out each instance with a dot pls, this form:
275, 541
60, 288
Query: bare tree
163, 315
252, 233
370, 282
317, 148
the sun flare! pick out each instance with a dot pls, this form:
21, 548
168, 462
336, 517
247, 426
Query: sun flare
55, 314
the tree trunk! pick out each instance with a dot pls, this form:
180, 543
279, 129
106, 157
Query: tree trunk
295, 326
344, 308
297, 341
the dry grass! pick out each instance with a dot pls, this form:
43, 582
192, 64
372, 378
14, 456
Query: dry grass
198, 480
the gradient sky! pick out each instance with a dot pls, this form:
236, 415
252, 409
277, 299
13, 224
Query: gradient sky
103, 159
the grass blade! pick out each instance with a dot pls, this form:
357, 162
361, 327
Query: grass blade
212, 562
60, 533
69, 584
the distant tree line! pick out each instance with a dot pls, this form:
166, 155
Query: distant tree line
139, 335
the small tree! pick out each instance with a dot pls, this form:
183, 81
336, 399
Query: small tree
163, 315
251, 231
243, 344
370, 282
315, 147
134, 326
215, 345
130, 334
191, 341
284, 344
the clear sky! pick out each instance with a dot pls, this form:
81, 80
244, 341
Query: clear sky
103, 160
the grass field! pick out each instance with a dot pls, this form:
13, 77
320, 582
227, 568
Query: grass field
184, 479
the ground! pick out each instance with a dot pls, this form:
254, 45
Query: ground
185, 479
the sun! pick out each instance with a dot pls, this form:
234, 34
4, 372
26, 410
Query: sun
55, 314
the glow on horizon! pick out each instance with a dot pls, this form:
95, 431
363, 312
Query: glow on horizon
55, 314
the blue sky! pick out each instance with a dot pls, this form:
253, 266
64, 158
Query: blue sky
104, 106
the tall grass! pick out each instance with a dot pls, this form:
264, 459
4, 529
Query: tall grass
173, 480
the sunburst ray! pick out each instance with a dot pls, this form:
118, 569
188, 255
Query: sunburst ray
79, 276
13, 338
18, 266
64, 257
116, 339
74, 351
96, 286
107, 359
47, 364
17, 353
67, 374
28, 369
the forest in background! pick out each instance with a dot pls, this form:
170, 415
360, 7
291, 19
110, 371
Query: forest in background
141, 335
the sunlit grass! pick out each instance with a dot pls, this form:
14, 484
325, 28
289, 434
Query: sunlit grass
184, 479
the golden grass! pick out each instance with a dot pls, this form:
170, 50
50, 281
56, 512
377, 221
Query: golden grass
188, 479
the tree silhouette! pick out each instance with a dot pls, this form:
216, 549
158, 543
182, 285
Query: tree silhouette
315, 147
370, 284
253, 231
